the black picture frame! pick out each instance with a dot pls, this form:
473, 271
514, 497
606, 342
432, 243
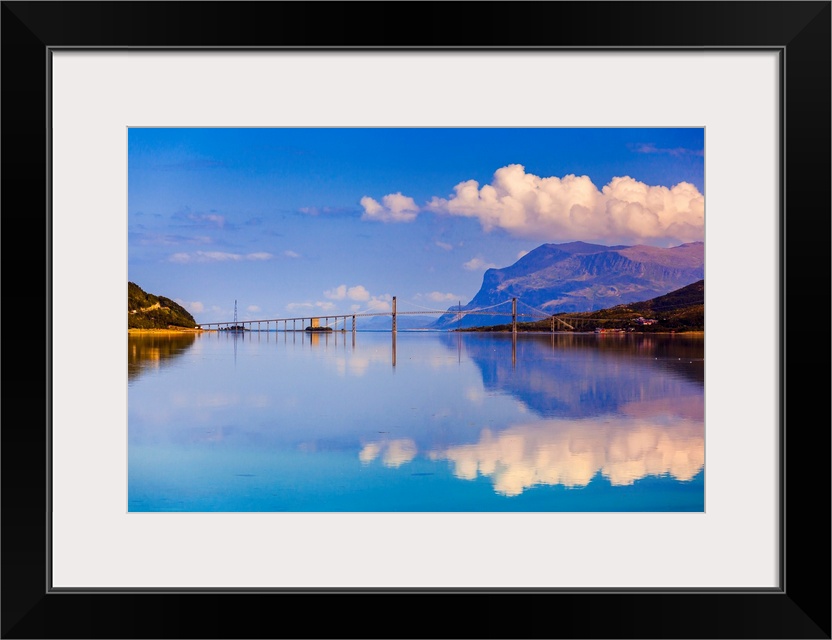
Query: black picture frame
799, 608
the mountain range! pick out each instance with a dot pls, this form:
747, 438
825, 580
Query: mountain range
578, 276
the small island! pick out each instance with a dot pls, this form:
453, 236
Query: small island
319, 329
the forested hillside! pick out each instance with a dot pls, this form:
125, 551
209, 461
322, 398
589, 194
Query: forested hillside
149, 311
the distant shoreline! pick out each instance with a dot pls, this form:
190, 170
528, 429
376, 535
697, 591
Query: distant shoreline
181, 330
588, 332
169, 330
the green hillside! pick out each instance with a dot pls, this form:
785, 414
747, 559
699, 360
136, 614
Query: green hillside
679, 310
684, 298
149, 311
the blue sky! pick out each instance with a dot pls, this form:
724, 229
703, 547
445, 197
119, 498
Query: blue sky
294, 222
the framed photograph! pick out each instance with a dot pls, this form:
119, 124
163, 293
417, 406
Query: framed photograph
556, 388
416, 316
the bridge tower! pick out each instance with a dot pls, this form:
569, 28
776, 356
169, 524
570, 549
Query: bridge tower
514, 315
394, 314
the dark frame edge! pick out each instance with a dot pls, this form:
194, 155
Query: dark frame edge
49, 318
801, 609
806, 104
24, 156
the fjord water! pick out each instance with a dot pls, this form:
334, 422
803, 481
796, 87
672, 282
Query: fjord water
415, 422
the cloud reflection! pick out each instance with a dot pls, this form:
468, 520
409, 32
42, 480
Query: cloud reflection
571, 453
394, 453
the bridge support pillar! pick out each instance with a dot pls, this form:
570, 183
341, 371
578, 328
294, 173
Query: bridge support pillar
394, 314
514, 315
353, 324
553, 324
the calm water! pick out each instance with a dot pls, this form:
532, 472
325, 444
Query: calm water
426, 422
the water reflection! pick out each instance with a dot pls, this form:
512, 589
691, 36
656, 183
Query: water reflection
393, 453
571, 453
626, 408
324, 422
335, 337
580, 375
153, 351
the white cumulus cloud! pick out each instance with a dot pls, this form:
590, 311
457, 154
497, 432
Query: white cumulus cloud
193, 307
338, 293
358, 293
478, 264
394, 207
379, 304
437, 296
573, 208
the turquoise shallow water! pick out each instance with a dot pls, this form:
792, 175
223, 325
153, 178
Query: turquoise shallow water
430, 422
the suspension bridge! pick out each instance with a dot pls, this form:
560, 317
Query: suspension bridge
326, 322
